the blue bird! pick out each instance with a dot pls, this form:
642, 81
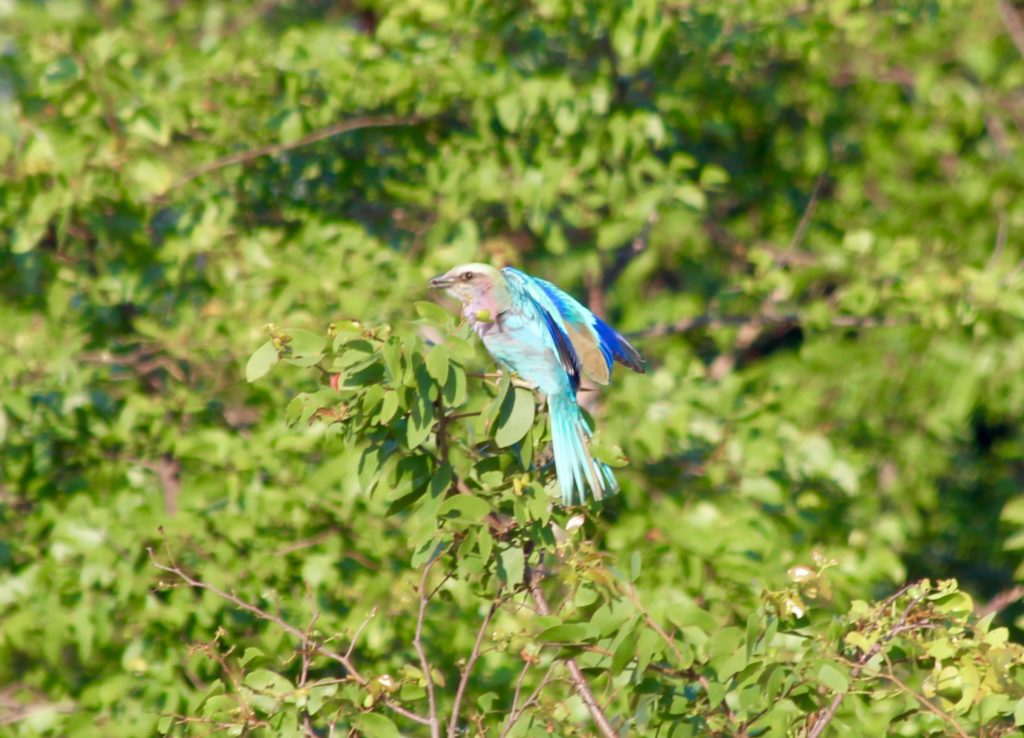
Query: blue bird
548, 339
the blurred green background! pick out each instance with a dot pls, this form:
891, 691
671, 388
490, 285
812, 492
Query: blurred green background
807, 216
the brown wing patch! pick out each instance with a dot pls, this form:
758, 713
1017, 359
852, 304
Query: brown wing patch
591, 359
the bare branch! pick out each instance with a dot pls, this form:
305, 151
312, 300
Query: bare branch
699, 322
583, 689
1013, 24
632, 596
517, 712
1001, 601
1001, 234
453, 724
433, 721
925, 702
623, 257
287, 627
330, 131
167, 470
805, 219
359, 631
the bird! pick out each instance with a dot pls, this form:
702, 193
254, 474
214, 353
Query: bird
550, 340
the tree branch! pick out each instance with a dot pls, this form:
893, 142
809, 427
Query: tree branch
330, 131
453, 724
238, 602
417, 642
517, 712
826, 715
1013, 24
583, 689
805, 219
1000, 602
924, 701
699, 322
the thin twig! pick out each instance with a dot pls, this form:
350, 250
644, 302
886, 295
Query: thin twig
527, 663
417, 642
516, 713
342, 659
453, 724
330, 131
1001, 234
583, 689
925, 702
632, 596
805, 219
825, 717
359, 631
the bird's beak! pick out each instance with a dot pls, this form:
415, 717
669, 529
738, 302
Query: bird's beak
441, 282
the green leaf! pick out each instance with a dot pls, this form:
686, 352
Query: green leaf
434, 313
375, 725
509, 111
466, 507
511, 566
264, 680
623, 653
260, 362
306, 343
495, 406
833, 677
437, 363
568, 633
515, 418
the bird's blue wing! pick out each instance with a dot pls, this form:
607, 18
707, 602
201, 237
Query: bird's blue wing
525, 291
588, 332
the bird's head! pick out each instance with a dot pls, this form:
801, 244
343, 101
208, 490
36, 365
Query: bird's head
471, 283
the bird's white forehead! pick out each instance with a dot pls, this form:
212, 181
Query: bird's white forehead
475, 268
485, 271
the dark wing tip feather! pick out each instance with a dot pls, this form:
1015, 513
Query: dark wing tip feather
621, 349
631, 357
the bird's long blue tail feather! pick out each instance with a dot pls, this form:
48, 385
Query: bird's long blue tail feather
570, 440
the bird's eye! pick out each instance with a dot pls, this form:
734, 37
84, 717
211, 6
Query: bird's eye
466, 276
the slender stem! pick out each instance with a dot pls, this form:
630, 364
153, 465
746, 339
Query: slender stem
330, 131
417, 642
825, 717
925, 702
342, 659
453, 724
516, 713
583, 689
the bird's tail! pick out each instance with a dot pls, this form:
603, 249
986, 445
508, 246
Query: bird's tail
570, 440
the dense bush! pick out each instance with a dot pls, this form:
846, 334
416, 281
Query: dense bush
808, 217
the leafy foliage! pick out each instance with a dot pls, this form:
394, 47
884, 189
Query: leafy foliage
253, 481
